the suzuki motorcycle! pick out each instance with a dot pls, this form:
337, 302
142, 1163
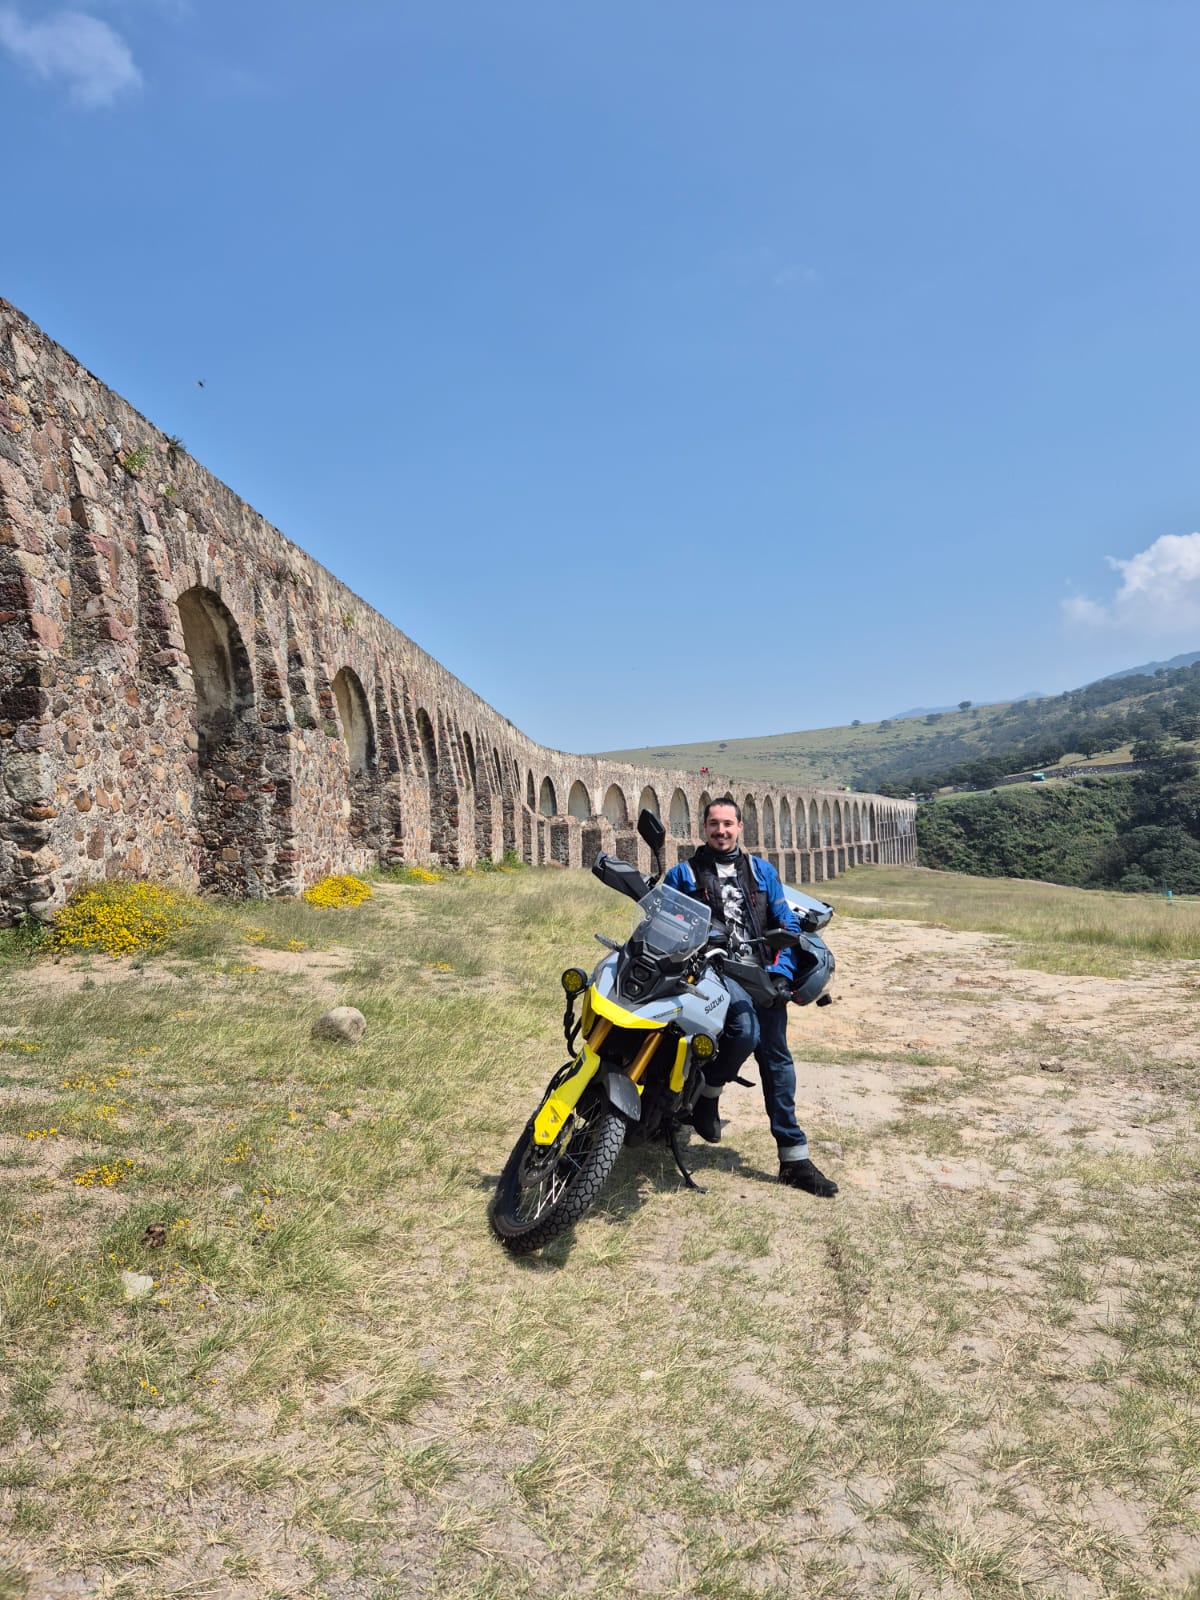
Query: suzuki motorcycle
652, 1014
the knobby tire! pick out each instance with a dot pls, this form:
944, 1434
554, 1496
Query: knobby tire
527, 1215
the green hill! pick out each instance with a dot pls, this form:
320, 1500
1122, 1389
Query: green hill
978, 744
1137, 832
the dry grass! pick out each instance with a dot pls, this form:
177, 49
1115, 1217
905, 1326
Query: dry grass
1052, 928
340, 1386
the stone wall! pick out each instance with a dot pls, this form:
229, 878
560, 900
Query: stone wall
185, 695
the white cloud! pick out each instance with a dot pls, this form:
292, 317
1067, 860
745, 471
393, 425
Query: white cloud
92, 59
753, 267
1159, 594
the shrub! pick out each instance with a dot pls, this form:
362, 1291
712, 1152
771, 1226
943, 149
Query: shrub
337, 892
123, 919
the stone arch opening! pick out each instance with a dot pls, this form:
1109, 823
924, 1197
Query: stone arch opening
750, 821
648, 801
826, 824
358, 731
680, 816
358, 728
785, 824
839, 827
530, 793
230, 824
469, 752
547, 799
703, 803
220, 666
615, 807
814, 826
768, 823
579, 802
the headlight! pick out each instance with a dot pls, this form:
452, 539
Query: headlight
574, 980
703, 1046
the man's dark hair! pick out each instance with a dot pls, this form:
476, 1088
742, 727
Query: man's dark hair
725, 800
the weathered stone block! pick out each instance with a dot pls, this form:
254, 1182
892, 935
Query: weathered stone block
29, 778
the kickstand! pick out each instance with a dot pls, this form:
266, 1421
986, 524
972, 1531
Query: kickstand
673, 1141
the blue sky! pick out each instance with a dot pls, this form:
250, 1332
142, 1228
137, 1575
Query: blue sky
668, 371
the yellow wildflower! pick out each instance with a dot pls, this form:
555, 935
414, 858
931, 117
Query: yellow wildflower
338, 892
106, 1174
122, 919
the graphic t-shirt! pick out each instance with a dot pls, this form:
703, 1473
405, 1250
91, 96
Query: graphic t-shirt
736, 920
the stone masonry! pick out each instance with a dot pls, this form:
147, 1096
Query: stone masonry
186, 696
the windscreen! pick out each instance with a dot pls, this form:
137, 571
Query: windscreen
670, 924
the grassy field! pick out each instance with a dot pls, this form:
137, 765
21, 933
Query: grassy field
340, 1386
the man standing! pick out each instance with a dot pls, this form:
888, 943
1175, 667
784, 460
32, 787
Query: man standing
745, 894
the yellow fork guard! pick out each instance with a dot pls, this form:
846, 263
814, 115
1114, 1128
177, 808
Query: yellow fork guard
556, 1108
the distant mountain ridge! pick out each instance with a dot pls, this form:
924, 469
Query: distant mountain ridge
1151, 667
936, 711
1146, 670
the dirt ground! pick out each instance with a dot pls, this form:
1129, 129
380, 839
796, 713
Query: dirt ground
1038, 1074
941, 1076
905, 991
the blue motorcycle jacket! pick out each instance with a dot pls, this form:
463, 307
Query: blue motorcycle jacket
774, 911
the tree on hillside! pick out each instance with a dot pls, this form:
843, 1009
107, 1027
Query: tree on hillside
964, 705
1148, 751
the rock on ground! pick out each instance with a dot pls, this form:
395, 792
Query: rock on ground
343, 1022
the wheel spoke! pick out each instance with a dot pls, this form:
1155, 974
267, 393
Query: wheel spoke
537, 1198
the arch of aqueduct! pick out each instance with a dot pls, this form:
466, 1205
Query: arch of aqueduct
184, 694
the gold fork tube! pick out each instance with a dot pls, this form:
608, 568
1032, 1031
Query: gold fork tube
601, 1029
641, 1061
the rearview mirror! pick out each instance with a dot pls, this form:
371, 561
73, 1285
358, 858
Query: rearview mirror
652, 831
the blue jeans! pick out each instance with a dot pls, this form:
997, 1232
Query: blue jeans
762, 1033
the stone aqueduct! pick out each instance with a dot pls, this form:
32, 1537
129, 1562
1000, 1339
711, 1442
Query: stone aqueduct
185, 695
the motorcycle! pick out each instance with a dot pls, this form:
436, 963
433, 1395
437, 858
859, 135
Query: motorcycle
652, 1014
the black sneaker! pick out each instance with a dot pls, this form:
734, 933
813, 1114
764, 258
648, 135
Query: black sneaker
706, 1119
803, 1175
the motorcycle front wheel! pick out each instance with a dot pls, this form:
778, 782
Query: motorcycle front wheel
544, 1190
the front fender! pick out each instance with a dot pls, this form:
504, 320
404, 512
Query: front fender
626, 1097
